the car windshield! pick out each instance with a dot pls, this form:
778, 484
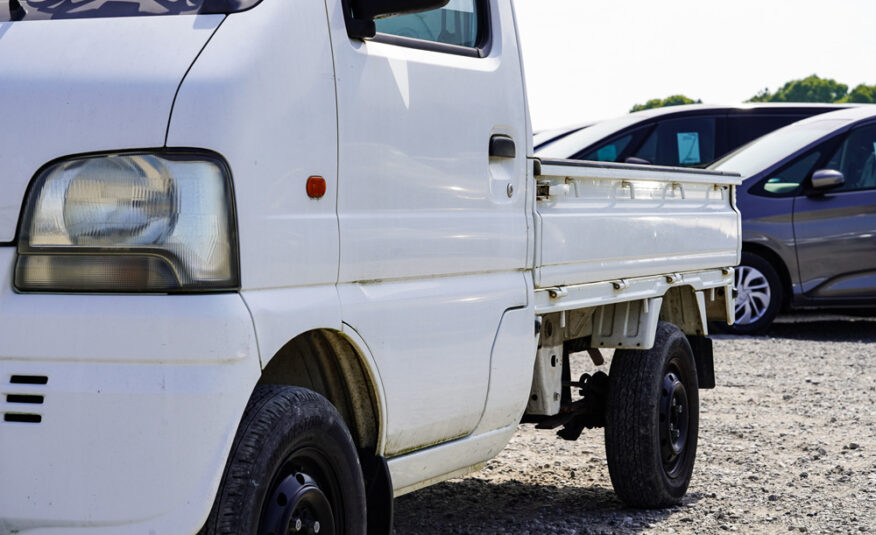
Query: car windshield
769, 149
573, 143
16, 10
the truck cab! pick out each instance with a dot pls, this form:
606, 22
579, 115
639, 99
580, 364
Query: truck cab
269, 264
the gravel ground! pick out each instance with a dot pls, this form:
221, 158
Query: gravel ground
787, 444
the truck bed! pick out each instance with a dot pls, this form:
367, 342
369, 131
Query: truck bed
598, 221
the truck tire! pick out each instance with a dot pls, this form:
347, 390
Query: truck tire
292, 464
758, 295
652, 420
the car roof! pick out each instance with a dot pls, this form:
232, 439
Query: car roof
683, 109
777, 106
763, 153
852, 114
543, 137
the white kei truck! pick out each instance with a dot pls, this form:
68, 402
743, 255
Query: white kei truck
267, 264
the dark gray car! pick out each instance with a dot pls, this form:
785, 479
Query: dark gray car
693, 135
808, 206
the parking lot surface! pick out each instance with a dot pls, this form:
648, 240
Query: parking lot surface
787, 444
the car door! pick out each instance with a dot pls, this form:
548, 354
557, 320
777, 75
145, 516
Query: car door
433, 229
836, 231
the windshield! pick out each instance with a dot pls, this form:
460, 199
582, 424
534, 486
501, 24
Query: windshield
764, 152
573, 143
15, 10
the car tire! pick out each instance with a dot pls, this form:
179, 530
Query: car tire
652, 421
758, 295
292, 464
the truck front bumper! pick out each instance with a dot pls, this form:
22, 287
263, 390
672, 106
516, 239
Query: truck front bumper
117, 412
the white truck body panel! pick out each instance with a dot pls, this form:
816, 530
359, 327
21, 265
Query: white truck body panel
272, 115
432, 245
608, 221
420, 197
156, 355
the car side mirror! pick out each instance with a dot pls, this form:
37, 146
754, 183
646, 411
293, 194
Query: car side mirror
360, 14
826, 179
638, 161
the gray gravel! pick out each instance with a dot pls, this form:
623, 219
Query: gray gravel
787, 445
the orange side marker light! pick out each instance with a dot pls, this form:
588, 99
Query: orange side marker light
315, 187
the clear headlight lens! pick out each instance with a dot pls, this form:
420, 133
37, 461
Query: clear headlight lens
155, 222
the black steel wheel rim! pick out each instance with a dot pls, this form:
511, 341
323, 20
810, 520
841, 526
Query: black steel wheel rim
674, 420
304, 498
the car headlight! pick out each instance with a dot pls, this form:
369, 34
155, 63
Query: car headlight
130, 222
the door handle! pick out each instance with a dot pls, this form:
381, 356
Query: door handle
502, 146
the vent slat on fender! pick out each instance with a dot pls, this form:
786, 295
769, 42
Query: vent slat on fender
25, 398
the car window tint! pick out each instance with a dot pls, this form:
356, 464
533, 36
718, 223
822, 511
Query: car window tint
742, 129
787, 180
681, 142
856, 159
611, 151
454, 24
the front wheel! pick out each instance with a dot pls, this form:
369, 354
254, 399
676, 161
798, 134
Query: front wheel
293, 469
758, 295
653, 420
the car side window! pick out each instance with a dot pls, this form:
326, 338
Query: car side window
688, 142
617, 148
855, 158
787, 180
745, 128
611, 151
458, 23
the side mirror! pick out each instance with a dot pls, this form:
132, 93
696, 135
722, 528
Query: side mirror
826, 179
360, 14
638, 161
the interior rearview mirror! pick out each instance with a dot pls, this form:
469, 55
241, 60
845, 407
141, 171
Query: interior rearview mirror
826, 179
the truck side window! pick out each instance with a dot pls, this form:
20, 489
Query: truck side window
459, 23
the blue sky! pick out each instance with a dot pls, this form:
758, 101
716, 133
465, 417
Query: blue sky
589, 60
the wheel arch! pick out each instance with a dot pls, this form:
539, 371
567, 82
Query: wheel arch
776, 261
331, 364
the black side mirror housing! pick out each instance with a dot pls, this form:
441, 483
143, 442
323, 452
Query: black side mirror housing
360, 14
824, 180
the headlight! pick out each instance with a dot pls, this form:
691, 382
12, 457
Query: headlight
133, 222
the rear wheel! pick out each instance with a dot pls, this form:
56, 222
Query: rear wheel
653, 421
293, 469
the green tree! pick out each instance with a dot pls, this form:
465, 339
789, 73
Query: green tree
763, 95
862, 94
674, 100
809, 89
